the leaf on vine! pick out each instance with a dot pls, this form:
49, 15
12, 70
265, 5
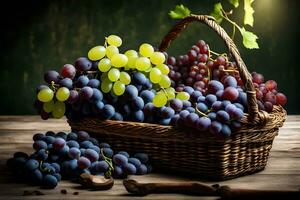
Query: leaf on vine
179, 12
217, 13
235, 3
248, 18
249, 39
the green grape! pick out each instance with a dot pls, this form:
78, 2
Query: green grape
170, 93
96, 53
114, 40
163, 68
103, 76
45, 95
113, 74
159, 100
62, 94
104, 65
131, 53
157, 58
183, 96
48, 106
119, 88
111, 50
119, 60
155, 75
131, 62
125, 78
106, 85
59, 109
165, 81
142, 63
146, 50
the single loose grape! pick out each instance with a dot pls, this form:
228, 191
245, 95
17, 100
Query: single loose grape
119, 60
114, 40
165, 81
111, 50
163, 68
157, 58
62, 94
142, 63
146, 50
113, 74
59, 109
160, 100
119, 88
155, 75
45, 95
183, 96
104, 65
96, 53
125, 78
48, 106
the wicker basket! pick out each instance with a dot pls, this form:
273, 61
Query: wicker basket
184, 152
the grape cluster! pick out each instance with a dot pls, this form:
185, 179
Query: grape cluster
107, 84
67, 156
266, 93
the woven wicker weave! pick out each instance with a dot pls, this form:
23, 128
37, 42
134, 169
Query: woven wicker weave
184, 151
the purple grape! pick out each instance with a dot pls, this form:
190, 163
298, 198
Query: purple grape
217, 105
58, 144
174, 120
129, 169
124, 153
74, 153
191, 119
86, 93
120, 159
82, 136
39, 144
167, 112
50, 76
230, 81
38, 136
202, 107
142, 157
118, 172
147, 96
66, 82
230, 93
68, 71
83, 64
226, 131
176, 104
94, 83
214, 86
210, 99
141, 169
203, 123
83, 163
195, 95
137, 104
223, 116
91, 154
215, 127
131, 92
74, 96
82, 81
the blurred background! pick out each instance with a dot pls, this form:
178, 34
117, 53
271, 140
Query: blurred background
37, 36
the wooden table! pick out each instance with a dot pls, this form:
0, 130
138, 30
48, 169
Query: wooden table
282, 171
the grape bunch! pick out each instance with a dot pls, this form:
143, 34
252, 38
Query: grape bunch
266, 93
61, 155
107, 84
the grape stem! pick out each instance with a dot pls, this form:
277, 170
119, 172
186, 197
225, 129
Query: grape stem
109, 162
201, 113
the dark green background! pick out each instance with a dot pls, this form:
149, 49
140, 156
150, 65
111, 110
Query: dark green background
41, 35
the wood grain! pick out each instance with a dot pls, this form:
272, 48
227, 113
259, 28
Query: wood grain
282, 171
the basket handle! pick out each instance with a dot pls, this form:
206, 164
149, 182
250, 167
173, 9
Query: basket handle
255, 116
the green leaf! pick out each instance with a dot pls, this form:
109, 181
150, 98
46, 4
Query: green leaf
248, 18
249, 39
217, 13
179, 12
235, 3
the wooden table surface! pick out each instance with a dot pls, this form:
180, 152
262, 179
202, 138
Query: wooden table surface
282, 171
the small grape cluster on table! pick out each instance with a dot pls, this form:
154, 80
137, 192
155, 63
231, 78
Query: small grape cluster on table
69, 155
